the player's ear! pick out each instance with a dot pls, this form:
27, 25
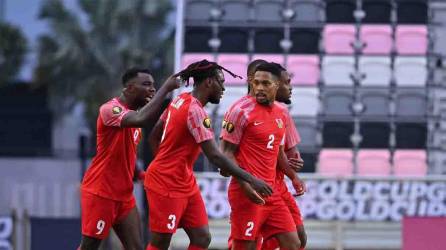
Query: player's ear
129, 87
208, 82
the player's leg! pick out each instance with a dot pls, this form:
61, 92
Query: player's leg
302, 236
280, 225
96, 215
297, 218
128, 226
200, 237
89, 243
159, 241
244, 244
195, 223
288, 241
165, 213
246, 220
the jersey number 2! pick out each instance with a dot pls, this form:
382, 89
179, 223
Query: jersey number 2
250, 226
270, 142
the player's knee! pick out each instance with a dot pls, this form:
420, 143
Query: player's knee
201, 239
88, 243
290, 244
137, 245
161, 241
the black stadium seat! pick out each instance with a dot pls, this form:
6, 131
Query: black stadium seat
340, 11
377, 11
268, 40
196, 39
412, 11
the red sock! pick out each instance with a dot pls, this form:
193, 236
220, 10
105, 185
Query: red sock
192, 247
150, 247
301, 248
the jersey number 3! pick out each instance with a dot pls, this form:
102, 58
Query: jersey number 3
171, 224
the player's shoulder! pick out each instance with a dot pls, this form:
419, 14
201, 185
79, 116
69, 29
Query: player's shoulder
281, 107
112, 106
243, 105
181, 101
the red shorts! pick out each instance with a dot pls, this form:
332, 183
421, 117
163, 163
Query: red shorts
99, 214
166, 214
250, 221
292, 206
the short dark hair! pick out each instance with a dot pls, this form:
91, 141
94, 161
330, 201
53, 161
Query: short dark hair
201, 70
253, 65
280, 67
131, 73
269, 67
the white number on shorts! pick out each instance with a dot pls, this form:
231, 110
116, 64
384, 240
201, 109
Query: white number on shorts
172, 219
250, 226
270, 142
100, 226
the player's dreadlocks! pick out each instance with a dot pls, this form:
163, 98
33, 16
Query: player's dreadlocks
201, 70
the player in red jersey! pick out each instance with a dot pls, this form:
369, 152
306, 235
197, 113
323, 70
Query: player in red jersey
254, 132
185, 128
107, 188
292, 139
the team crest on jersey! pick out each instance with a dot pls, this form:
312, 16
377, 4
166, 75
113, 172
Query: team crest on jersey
224, 123
207, 123
229, 126
279, 123
116, 110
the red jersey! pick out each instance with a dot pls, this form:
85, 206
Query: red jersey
258, 131
186, 125
292, 139
110, 174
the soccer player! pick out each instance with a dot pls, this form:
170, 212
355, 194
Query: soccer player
253, 135
184, 128
107, 199
292, 139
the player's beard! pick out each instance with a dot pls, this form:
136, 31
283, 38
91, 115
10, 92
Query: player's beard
214, 100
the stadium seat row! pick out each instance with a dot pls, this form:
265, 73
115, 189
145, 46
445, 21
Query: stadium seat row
376, 102
376, 11
376, 39
337, 39
374, 135
339, 162
336, 70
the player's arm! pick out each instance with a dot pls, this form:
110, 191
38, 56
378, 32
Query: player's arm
229, 150
151, 109
155, 136
295, 163
227, 164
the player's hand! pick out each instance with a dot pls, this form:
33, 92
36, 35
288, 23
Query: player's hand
296, 164
299, 186
172, 83
251, 193
223, 173
261, 187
